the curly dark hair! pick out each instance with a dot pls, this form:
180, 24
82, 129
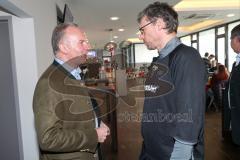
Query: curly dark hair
161, 10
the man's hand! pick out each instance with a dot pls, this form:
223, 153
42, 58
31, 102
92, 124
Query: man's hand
103, 131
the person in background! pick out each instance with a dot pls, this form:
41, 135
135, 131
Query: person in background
233, 89
211, 57
167, 135
206, 61
66, 120
213, 63
217, 83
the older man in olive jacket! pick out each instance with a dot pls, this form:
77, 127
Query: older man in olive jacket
66, 121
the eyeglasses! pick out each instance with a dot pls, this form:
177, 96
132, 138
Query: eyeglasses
84, 41
141, 29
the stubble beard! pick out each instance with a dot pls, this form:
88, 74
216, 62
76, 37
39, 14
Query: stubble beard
149, 47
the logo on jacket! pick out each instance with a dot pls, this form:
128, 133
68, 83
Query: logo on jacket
151, 88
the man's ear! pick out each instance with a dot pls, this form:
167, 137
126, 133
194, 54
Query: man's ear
63, 47
160, 24
238, 42
238, 39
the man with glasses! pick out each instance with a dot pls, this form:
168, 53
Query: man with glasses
173, 122
65, 115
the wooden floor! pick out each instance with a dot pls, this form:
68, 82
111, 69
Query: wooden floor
215, 146
129, 136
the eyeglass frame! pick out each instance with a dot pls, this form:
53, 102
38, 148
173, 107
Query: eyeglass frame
82, 41
141, 29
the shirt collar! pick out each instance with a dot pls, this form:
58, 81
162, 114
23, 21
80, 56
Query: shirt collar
238, 55
237, 59
74, 71
169, 47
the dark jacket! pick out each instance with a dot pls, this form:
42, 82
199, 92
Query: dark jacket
234, 84
174, 104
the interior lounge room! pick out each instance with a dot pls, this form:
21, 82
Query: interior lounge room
120, 80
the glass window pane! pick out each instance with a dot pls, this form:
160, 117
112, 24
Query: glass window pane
231, 53
143, 55
194, 45
221, 30
221, 50
207, 42
186, 40
194, 37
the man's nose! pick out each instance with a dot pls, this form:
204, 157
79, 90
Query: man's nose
140, 36
88, 46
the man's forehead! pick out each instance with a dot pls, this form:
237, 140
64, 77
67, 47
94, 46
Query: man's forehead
75, 31
72, 29
144, 20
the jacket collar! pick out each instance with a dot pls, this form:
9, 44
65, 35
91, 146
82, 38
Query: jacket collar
60, 67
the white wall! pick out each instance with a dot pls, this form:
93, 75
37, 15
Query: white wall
25, 77
32, 54
44, 15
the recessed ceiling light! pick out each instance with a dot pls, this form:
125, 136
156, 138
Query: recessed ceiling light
121, 29
114, 18
115, 37
230, 15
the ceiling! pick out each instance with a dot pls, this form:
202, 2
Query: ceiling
94, 17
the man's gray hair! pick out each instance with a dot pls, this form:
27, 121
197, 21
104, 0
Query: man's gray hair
163, 11
58, 34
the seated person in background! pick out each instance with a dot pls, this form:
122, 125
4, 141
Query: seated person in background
218, 82
213, 63
207, 63
206, 60
211, 57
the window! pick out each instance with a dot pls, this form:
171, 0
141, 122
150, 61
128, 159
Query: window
207, 42
194, 41
194, 45
221, 30
186, 40
194, 37
221, 50
143, 55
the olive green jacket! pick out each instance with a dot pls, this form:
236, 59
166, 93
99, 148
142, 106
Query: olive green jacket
64, 117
